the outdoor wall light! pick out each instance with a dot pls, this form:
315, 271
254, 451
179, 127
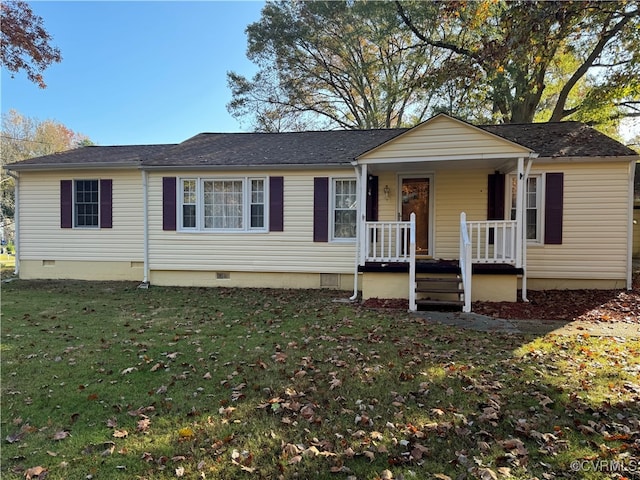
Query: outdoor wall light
387, 191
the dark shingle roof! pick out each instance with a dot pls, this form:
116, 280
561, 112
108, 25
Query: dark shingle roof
266, 149
336, 147
94, 156
561, 139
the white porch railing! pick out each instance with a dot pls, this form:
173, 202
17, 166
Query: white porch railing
465, 262
488, 242
493, 241
387, 241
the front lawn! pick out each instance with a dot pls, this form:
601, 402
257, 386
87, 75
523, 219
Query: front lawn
104, 380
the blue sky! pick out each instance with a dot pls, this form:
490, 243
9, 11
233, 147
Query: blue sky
138, 72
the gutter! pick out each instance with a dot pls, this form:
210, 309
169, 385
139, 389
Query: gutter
73, 166
527, 171
632, 173
359, 210
145, 227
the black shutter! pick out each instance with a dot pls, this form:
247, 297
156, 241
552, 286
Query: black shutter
496, 196
169, 203
495, 200
372, 198
554, 194
66, 203
276, 204
106, 203
321, 209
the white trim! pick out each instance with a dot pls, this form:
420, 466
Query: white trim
145, 225
16, 221
441, 158
632, 172
540, 206
431, 226
246, 204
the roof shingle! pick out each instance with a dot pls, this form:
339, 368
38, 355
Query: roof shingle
336, 147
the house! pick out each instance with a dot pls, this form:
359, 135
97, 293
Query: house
442, 212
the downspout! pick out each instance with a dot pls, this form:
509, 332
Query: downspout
524, 234
632, 167
16, 221
359, 210
145, 223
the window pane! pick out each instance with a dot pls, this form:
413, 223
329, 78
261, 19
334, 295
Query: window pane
532, 224
257, 216
345, 224
223, 204
189, 216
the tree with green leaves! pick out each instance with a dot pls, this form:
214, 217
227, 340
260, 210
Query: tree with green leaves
24, 42
577, 60
333, 64
382, 64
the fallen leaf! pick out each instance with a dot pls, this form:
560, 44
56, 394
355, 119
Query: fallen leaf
60, 435
386, 475
35, 472
120, 433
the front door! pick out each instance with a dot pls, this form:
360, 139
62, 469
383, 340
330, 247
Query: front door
415, 198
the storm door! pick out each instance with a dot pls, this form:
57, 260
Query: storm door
415, 198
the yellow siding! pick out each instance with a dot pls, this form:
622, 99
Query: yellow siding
595, 223
249, 280
81, 270
457, 191
290, 251
441, 137
41, 237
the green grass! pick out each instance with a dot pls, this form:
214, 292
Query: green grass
107, 380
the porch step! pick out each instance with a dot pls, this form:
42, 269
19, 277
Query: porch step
441, 291
440, 303
439, 285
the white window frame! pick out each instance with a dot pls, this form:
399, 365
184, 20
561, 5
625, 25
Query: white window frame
540, 189
75, 204
246, 204
333, 208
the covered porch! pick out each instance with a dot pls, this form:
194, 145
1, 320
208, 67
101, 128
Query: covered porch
435, 207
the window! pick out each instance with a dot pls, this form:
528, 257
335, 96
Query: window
209, 204
189, 204
533, 202
257, 203
344, 209
86, 203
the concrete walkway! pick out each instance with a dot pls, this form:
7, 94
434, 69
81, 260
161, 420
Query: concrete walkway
484, 323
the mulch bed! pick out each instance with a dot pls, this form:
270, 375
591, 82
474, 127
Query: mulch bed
564, 305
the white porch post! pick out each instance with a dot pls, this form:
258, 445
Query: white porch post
520, 211
362, 212
412, 264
